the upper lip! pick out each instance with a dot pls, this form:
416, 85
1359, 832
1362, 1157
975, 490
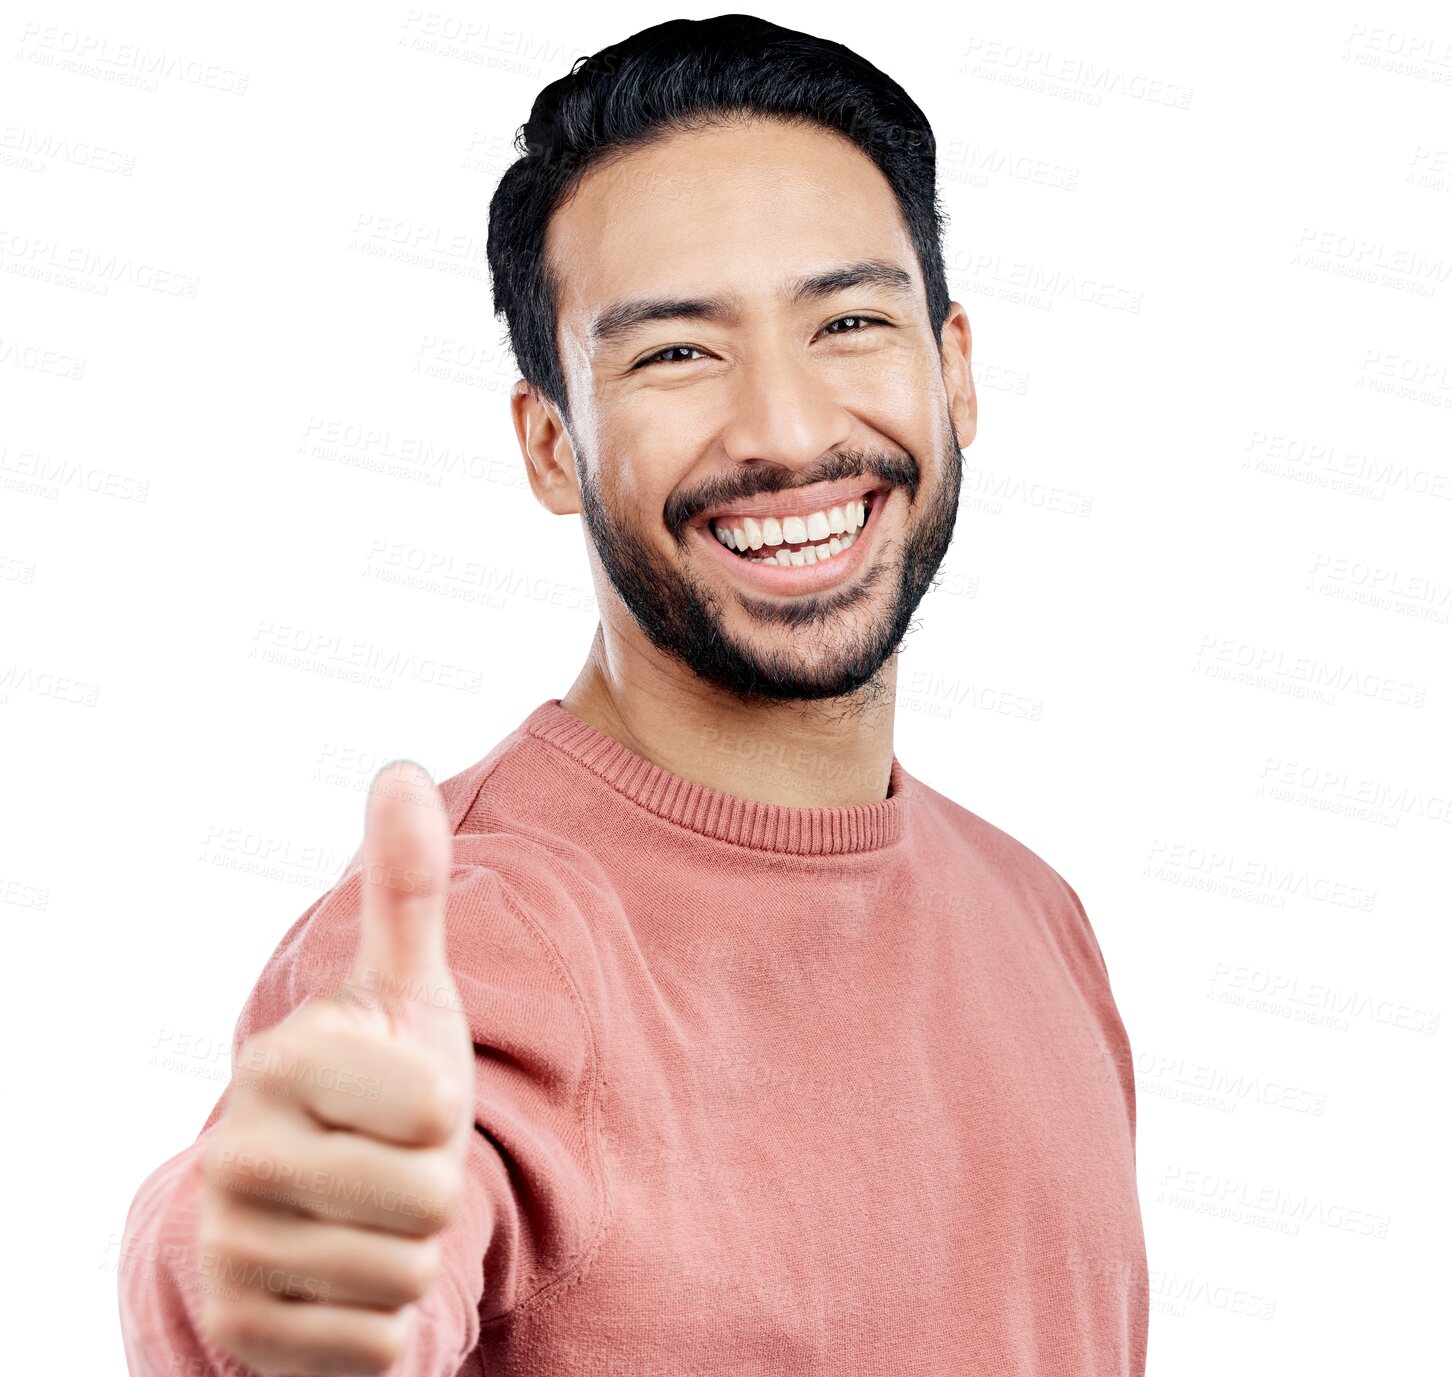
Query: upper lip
819, 497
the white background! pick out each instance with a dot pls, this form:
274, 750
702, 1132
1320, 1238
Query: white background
1191, 644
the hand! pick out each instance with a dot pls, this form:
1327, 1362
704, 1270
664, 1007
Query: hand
340, 1154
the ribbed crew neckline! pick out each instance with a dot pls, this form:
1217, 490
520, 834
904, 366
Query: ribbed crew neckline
712, 812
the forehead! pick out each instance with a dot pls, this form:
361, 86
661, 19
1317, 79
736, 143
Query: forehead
738, 208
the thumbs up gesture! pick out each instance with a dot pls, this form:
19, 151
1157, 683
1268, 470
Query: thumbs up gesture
340, 1155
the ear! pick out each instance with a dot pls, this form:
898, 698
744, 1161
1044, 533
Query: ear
549, 455
956, 347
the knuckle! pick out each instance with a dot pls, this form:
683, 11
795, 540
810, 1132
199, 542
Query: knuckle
422, 1271
231, 1163
217, 1152
443, 1191
210, 1319
335, 1015
214, 1238
441, 1102
227, 1252
262, 1059
230, 1326
222, 1157
382, 1343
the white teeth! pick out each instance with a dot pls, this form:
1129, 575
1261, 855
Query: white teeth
811, 554
793, 530
832, 530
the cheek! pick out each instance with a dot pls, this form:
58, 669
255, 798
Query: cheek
896, 401
896, 379
646, 462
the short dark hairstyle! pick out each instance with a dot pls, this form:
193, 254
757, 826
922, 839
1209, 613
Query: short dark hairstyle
690, 74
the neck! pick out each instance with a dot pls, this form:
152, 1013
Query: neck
828, 753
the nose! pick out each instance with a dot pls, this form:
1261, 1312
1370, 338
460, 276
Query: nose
782, 412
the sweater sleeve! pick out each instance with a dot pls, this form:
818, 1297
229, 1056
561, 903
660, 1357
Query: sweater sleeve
1117, 1046
534, 1192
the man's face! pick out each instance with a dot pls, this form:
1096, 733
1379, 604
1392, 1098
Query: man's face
765, 419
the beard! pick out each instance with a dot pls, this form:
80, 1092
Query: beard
683, 617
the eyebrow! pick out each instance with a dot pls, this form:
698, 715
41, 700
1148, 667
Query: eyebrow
623, 317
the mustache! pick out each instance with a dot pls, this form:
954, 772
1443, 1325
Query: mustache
900, 471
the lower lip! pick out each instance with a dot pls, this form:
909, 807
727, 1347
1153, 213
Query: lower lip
794, 579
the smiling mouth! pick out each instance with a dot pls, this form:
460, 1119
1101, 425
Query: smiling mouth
815, 538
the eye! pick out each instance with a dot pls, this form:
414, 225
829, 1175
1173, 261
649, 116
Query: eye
862, 322
672, 349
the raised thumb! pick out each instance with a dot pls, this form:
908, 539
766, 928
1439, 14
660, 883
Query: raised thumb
401, 963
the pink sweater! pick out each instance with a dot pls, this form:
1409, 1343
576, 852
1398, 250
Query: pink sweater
759, 1089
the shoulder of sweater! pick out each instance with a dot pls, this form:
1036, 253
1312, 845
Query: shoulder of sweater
501, 825
462, 790
1016, 863
987, 843
502, 813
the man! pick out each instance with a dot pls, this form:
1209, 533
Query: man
687, 1031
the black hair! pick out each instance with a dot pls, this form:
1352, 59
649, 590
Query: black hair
688, 74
